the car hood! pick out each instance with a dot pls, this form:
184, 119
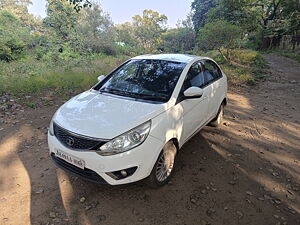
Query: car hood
104, 116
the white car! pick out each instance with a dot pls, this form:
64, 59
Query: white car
131, 124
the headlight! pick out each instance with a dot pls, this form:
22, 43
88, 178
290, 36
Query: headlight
51, 130
127, 141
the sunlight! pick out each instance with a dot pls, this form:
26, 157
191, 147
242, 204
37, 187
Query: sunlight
240, 101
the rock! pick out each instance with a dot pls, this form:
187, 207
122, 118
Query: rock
249, 193
203, 222
277, 201
232, 182
39, 191
203, 191
210, 211
52, 215
267, 197
226, 124
141, 219
276, 216
225, 208
135, 212
82, 199
101, 218
88, 207
56, 220
240, 214
193, 200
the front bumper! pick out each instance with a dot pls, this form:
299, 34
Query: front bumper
96, 167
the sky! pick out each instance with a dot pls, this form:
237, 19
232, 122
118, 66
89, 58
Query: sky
122, 11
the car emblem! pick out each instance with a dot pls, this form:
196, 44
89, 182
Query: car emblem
70, 141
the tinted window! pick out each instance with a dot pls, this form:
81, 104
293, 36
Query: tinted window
211, 71
145, 79
194, 77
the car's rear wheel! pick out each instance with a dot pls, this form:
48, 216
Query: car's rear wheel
217, 121
164, 166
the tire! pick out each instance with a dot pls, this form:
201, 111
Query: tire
217, 121
160, 175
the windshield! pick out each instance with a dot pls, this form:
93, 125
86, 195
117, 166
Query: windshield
144, 79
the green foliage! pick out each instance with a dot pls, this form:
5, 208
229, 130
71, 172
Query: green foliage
248, 67
218, 35
295, 55
13, 37
19, 8
237, 12
178, 40
148, 29
97, 31
61, 21
256, 18
200, 9
79, 4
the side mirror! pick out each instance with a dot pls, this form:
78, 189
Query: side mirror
101, 78
193, 92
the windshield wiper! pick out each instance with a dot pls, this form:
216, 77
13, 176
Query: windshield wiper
153, 98
135, 95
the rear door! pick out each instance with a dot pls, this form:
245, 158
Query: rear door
194, 110
212, 76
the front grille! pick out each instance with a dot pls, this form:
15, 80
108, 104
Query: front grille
85, 174
74, 141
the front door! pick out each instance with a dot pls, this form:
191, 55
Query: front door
194, 111
212, 75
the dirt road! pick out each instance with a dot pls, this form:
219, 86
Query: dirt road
246, 172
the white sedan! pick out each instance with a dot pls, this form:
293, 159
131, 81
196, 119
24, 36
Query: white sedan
131, 124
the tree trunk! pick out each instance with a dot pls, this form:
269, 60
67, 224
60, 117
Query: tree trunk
224, 56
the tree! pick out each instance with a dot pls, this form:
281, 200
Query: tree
13, 37
79, 4
61, 20
19, 8
237, 12
178, 40
200, 9
97, 30
149, 28
218, 35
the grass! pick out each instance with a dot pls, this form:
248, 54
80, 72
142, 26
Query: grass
246, 68
293, 55
29, 77
33, 77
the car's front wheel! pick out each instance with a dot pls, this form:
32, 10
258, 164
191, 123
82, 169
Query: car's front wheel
163, 168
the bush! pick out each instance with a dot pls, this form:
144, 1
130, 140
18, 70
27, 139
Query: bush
13, 37
219, 35
246, 70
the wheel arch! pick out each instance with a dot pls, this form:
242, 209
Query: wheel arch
224, 101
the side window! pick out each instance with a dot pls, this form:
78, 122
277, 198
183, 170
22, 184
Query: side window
194, 77
211, 71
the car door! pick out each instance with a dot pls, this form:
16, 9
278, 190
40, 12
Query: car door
194, 111
212, 76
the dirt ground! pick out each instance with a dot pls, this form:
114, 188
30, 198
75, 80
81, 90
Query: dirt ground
246, 172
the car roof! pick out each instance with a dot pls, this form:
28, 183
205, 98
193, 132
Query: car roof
184, 58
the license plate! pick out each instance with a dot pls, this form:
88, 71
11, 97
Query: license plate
69, 158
